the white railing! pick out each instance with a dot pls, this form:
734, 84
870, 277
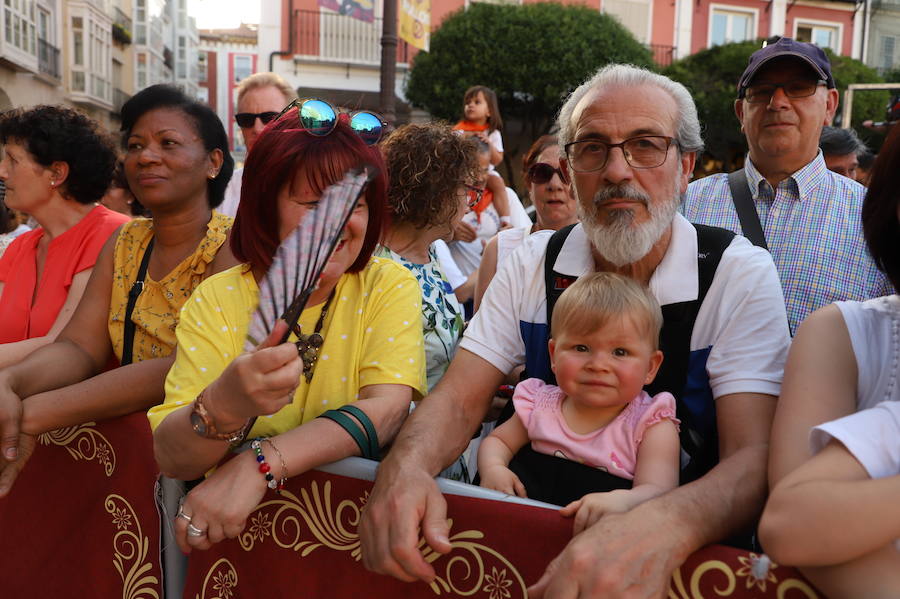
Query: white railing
328, 36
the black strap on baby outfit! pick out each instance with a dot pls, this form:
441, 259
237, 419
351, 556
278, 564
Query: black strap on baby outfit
559, 481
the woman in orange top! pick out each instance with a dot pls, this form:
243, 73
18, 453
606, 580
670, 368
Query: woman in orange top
57, 165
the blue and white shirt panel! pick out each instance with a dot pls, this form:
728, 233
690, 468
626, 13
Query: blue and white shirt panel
740, 338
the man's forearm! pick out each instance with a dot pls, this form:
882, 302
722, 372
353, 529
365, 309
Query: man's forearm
435, 447
725, 501
443, 423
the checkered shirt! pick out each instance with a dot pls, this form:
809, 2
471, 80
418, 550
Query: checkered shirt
812, 225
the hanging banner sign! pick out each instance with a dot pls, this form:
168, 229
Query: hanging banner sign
305, 543
415, 23
363, 10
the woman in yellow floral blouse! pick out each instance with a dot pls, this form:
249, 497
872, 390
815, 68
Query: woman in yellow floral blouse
365, 309
178, 166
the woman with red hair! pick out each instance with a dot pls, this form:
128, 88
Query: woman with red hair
366, 310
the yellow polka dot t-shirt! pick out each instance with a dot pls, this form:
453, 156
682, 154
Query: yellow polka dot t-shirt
373, 335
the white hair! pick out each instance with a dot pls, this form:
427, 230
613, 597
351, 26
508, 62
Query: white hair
625, 75
620, 240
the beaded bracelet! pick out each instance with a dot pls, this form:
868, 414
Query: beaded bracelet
283, 465
265, 468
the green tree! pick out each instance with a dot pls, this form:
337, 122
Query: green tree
711, 75
532, 56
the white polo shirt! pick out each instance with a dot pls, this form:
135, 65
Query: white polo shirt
740, 338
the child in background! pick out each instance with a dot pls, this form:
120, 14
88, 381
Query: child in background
482, 221
482, 120
603, 350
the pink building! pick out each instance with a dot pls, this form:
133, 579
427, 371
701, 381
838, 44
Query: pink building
324, 53
226, 57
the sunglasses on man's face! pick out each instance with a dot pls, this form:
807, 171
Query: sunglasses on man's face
541, 173
318, 117
245, 120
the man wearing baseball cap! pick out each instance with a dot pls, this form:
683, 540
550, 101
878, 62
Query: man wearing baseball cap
785, 198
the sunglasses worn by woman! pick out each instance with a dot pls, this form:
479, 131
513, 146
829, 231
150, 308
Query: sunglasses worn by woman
318, 117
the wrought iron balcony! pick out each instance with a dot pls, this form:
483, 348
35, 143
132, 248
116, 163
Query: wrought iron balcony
48, 59
332, 37
123, 19
662, 55
122, 28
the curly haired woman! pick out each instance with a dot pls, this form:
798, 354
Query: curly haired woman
56, 165
429, 168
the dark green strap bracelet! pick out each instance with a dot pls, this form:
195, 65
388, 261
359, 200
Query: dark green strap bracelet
349, 425
364, 419
366, 441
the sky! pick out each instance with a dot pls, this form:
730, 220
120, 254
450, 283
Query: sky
224, 14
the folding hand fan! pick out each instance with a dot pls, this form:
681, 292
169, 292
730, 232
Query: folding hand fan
302, 256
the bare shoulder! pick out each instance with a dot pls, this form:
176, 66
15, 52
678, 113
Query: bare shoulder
224, 259
824, 326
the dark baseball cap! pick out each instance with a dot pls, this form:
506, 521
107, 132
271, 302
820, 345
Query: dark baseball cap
813, 55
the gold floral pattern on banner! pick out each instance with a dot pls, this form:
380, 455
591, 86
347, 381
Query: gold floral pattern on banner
678, 590
224, 580
83, 442
130, 548
470, 566
333, 528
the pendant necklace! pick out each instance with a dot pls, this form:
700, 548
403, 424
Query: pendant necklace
308, 345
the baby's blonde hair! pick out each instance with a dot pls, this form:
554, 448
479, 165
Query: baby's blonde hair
595, 299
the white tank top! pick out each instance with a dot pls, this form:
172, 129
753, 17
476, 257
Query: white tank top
874, 327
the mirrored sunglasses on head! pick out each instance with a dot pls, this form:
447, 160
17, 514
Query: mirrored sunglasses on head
318, 117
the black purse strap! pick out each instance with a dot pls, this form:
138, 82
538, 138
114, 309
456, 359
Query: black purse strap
136, 288
746, 211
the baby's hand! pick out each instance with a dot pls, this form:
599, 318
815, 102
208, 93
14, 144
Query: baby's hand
590, 508
501, 478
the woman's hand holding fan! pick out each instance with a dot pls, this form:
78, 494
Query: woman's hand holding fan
263, 380
257, 383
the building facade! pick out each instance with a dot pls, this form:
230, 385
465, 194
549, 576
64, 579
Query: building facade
31, 61
883, 26
324, 53
226, 57
166, 45
94, 54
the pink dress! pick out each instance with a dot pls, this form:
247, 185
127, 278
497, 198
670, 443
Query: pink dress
612, 448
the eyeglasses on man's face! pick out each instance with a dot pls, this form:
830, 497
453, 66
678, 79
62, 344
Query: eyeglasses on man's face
643, 151
761, 93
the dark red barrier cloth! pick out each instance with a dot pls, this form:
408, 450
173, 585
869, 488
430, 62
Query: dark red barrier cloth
81, 520
304, 543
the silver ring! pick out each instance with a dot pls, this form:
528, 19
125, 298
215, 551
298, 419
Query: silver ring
182, 515
193, 531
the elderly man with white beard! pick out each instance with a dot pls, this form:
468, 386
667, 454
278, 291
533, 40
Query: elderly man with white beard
630, 139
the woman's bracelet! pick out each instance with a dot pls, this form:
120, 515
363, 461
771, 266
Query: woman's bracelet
283, 465
265, 468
